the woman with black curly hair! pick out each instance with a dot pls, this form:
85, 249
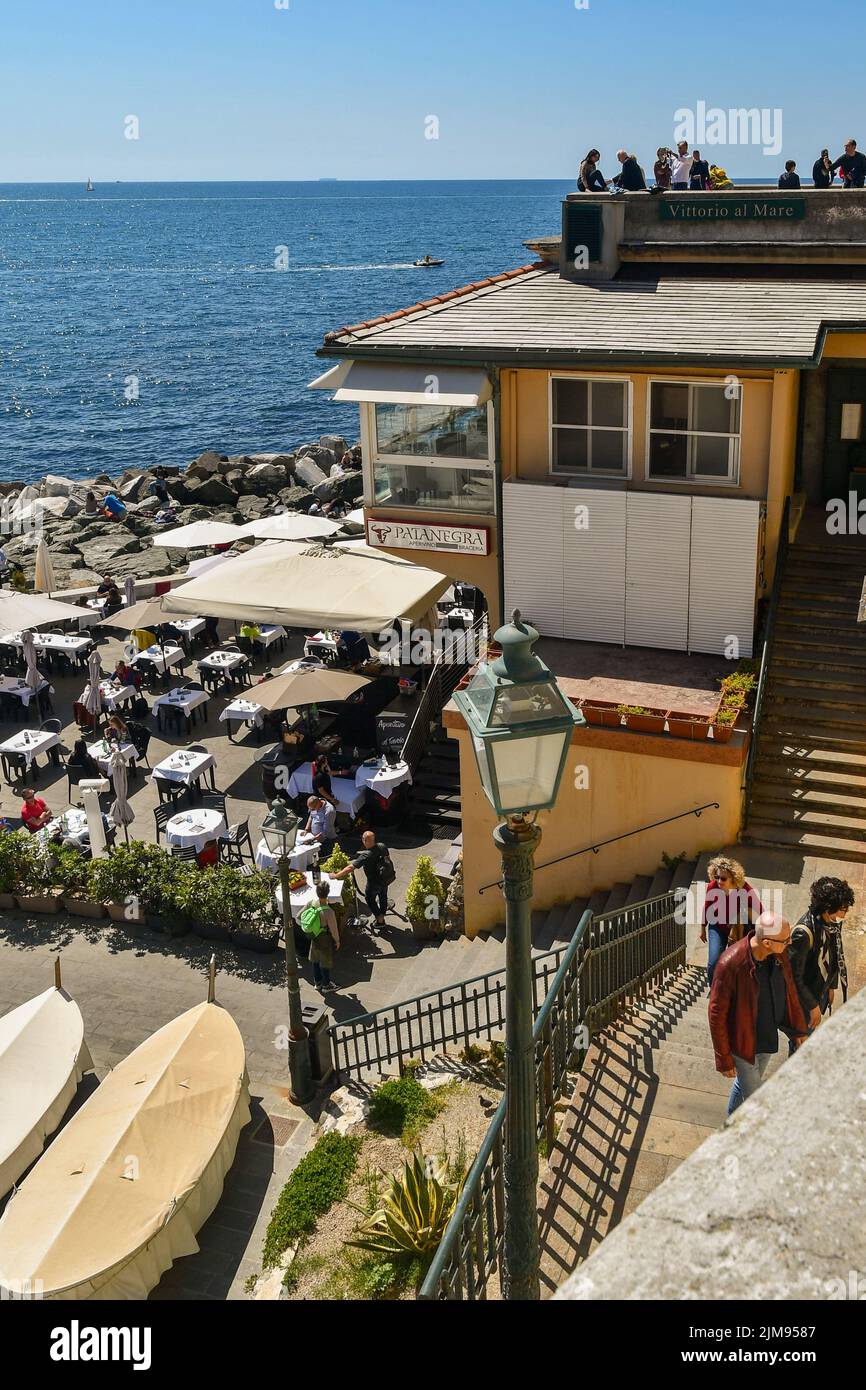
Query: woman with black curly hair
816, 953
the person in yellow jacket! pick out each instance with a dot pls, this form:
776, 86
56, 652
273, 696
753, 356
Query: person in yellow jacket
719, 178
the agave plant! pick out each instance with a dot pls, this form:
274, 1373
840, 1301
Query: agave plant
415, 1207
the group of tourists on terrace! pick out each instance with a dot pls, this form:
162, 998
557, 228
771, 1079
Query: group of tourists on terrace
686, 171
766, 977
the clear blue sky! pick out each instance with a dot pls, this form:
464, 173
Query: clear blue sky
238, 89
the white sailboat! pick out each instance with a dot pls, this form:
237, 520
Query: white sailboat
89, 188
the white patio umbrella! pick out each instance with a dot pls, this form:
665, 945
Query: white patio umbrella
199, 533
291, 526
43, 579
129, 590
121, 812
33, 675
18, 611
92, 696
209, 562
313, 686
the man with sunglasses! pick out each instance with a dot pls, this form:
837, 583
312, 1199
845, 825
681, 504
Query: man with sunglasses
754, 998
852, 164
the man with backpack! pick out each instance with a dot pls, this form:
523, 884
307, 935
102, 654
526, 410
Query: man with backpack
319, 924
375, 860
816, 953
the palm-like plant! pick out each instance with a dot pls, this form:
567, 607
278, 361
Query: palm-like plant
415, 1208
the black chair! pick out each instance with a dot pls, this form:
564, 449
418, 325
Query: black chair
169, 792
162, 815
51, 726
233, 843
15, 763
140, 738
215, 801
187, 852
173, 715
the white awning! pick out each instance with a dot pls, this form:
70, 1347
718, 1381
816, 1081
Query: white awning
406, 383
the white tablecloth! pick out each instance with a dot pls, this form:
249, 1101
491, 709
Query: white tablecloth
102, 752
243, 712
187, 700
315, 646
196, 828
188, 626
184, 767
75, 827
11, 685
305, 854
161, 657
31, 742
347, 797
268, 634
221, 661
383, 779
305, 896
70, 643
112, 695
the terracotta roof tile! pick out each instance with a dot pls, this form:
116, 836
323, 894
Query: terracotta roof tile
433, 301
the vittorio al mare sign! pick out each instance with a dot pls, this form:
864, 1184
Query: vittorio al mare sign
705, 208
412, 535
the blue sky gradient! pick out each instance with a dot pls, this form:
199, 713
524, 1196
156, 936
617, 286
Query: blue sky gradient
238, 89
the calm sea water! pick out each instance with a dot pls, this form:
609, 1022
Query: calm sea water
176, 285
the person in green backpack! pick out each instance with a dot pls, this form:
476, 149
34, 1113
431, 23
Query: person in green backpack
319, 923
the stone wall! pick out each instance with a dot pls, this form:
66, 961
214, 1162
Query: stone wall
772, 1207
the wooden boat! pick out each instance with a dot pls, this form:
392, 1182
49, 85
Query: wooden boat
427, 261
126, 1185
43, 1056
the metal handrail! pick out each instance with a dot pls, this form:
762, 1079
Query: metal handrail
766, 651
444, 676
600, 844
589, 989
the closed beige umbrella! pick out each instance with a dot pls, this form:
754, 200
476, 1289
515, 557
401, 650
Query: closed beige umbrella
43, 579
121, 812
313, 686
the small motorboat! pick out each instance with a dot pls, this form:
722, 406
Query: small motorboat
126, 1185
427, 261
43, 1056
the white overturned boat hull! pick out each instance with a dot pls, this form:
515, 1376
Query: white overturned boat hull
43, 1057
123, 1190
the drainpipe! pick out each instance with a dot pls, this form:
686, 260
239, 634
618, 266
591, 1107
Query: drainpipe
497, 431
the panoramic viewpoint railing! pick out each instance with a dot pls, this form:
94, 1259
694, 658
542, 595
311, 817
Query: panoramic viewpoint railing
445, 675
610, 961
418, 1028
766, 653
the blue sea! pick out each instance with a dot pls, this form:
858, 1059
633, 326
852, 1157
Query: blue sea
173, 289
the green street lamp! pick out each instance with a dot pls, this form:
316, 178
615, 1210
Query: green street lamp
521, 726
280, 831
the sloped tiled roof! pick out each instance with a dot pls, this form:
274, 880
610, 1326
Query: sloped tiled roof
532, 313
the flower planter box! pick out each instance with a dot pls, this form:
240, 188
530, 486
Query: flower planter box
722, 733
681, 726
651, 723
40, 902
7, 901
120, 913
602, 712
256, 941
83, 907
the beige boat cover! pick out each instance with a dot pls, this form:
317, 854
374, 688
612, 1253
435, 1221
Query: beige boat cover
43, 1056
307, 585
124, 1188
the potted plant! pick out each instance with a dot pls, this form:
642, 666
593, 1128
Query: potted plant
338, 859
15, 846
425, 900
681, 725
723, 723
169, 893
245, 905
643, 720
116, 881
75, 875
37, 892
604, 712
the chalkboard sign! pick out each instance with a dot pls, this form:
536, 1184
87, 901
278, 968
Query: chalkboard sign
391, 733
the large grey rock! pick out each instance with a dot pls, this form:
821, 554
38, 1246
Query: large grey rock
336, 443
213, 491
205, 465
101, 553
252, 507
54, 486
297, 499
264, 478
286, 461
136, 488
307, 469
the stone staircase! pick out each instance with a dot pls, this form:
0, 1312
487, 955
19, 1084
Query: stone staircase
434, 797
809, 788
452, 962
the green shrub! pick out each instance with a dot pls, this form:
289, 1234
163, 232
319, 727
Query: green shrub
425, 895
338, 859
320, 1179
401, 1107
16, 848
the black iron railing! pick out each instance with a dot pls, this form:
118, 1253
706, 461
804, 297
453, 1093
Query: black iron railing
448, 670
419, 1028
611, 960
766, 655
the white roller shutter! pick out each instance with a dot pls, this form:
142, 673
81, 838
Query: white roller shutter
593, 540
533, 562
657, 570
724, 563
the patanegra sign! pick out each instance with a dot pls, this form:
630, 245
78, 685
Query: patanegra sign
427, 535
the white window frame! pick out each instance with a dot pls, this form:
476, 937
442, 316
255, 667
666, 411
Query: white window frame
734, 440
627, 429
372, 457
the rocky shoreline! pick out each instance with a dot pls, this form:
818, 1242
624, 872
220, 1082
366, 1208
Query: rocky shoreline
235, 489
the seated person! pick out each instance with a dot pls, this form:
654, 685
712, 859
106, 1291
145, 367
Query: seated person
208, 856
211, 630
112, 507
354, 648
106, 585
18, 579
117, 730
251, 631
159, 490
144, 638
126, 675
34, 811
321, 774
137, 735
91, 506
82, 762
320, 821
113, 600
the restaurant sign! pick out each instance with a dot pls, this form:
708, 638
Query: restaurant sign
708, 209
427, 535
